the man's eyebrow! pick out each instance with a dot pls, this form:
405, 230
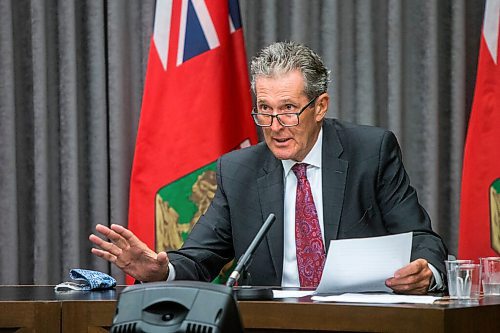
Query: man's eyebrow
281, 102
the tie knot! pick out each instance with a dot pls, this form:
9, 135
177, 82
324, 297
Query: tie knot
300, 170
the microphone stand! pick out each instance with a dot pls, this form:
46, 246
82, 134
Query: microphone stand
249, 292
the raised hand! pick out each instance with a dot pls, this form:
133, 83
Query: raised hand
130, 254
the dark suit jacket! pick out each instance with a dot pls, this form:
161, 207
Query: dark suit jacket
366, 192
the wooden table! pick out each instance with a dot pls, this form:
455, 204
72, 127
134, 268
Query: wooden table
40, 309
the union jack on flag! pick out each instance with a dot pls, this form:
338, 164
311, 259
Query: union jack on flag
197, 32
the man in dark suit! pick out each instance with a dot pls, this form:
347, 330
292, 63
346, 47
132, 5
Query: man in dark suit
356, 186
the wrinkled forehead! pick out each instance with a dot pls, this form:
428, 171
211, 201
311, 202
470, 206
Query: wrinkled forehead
289, 83
279, 73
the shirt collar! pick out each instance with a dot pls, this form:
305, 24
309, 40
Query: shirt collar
312, 158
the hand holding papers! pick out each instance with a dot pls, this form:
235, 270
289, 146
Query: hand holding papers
363, 264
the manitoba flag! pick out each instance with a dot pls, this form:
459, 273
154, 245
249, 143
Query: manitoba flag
480, 198
196, 107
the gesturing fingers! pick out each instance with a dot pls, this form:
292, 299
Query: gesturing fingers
129, 253
113, 236
104, 254
107, 246
126, 235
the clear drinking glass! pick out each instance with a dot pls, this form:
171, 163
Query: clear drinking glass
490, 272
464, 279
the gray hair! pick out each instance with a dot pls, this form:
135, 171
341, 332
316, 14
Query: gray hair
284, 57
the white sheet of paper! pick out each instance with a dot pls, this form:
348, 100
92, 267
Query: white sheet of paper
376, 298
291, 293
363, 264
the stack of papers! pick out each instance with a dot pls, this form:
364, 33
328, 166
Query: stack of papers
291, 293
376, 298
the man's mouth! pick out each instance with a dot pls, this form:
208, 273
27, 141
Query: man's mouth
278, 140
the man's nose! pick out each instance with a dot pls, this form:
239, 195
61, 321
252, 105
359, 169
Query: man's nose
276, 125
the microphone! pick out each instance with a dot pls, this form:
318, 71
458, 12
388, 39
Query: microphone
246, 258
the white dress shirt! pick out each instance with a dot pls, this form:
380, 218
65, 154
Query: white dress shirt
313, 159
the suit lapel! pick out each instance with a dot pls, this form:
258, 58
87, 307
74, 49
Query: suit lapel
271, 193
271, 196
334, 175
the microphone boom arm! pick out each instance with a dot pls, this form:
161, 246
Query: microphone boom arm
246, 258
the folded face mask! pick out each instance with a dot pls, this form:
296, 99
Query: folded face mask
85, 279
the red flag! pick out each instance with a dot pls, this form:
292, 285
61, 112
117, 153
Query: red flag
480, 198
196, 107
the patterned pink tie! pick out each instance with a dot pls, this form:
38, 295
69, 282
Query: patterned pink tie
308, 239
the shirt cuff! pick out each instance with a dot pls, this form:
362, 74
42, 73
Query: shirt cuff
171, 272
437, 281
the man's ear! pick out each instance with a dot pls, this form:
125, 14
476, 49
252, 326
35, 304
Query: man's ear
321, 107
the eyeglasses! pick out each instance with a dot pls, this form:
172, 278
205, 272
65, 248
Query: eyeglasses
285, 119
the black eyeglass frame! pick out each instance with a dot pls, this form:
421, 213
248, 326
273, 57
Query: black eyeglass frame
277, 116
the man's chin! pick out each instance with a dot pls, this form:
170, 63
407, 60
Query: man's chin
282, 154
